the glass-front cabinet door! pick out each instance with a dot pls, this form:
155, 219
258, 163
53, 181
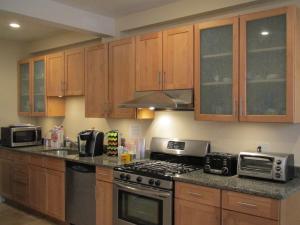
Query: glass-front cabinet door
39, 97
24, 88
216, 70
266, 66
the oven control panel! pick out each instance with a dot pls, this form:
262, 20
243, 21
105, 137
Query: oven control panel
144, 180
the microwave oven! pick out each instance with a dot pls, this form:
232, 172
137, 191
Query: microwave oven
19, 136
272, 166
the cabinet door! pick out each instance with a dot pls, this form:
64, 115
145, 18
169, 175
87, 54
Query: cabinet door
37, 188
55, 194
39, 90
216, 70
234, 218
24, 68
121, 76
266, 68
74, 72
104, 199
178, 63
56, 74
149, 62
20, 183
96, 81
192, 213
6, 182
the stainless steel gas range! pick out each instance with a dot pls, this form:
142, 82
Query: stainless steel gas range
143, 191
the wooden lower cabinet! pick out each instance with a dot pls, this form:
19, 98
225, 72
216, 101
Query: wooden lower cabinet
55, 194
104, 201
191, 213
6, 182
235, 218
37, 188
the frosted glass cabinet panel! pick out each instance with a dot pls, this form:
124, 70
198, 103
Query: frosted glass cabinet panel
39, 86
24, 87
266, 71
216, 88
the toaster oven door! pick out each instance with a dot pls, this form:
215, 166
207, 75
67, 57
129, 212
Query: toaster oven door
256, 166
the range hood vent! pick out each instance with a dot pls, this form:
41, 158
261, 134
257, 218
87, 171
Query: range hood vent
162, 100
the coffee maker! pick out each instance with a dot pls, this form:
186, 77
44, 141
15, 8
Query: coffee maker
90, 143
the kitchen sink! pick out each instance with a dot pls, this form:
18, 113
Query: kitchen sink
61, 152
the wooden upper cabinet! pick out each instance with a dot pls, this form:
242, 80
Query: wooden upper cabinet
149, 62
269, 76
216, 70
55, 74
121, 76
96, 81
24, 87
178, 58
74, 72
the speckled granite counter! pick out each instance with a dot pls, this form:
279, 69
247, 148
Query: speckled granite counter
262, 188
103, 160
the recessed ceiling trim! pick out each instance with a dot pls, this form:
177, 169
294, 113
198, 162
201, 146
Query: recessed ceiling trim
60, 14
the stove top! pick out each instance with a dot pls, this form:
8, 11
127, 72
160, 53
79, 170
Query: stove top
169, 158
158, 169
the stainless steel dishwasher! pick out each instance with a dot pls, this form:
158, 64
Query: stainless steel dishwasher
80, 194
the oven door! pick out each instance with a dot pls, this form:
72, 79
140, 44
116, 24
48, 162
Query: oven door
23, 136
139, 205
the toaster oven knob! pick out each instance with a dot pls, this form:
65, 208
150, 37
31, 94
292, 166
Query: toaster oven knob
127, 177
151, 181
278, 162
122, 176
278, 168
157, 183
225, 170
139, 179
277, 175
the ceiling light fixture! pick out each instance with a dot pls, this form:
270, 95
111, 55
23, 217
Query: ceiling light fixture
265, 33
14, 25
152, 108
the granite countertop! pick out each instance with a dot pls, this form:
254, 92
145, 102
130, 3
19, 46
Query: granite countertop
102, 160
263, 188
257, 187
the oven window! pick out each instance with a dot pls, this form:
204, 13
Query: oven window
24, 136
140, 210
257, 164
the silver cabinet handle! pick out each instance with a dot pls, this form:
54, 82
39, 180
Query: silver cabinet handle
247, 204
195, 194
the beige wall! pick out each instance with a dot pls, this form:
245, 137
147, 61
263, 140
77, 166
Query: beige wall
10, 53
230, 137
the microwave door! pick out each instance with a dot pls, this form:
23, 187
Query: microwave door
21, 136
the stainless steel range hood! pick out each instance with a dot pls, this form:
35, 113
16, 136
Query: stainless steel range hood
162, 100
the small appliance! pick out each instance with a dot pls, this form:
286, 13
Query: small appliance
272, 166
221, 163
21, 135
90, 143
144, 191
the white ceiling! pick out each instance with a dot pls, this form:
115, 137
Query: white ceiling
115, 8
31, 29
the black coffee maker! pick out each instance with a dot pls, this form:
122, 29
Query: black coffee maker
90, 143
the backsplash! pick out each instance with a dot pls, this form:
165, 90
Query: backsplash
225, 137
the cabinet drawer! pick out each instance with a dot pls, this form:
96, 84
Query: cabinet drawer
199, 194
55, 164
234, 218
37, 160
250, 204
104, 174
21, 158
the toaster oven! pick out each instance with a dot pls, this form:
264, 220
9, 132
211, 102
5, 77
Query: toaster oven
272, 166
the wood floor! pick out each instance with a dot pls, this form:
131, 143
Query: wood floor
13, 216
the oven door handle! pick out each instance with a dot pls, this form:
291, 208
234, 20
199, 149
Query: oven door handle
142, 190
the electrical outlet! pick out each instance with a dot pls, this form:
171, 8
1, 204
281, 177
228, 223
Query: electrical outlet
265, 147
